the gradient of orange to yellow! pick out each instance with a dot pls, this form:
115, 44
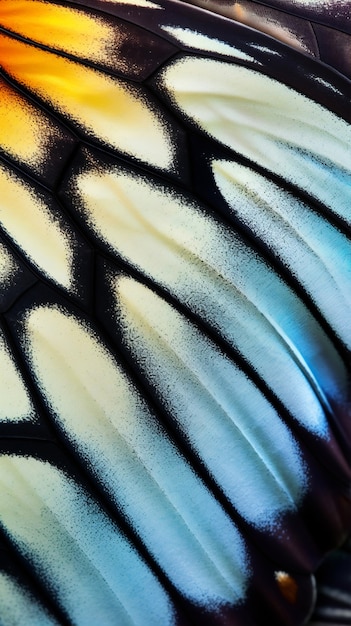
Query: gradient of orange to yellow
63, 28
24, 129
101, 105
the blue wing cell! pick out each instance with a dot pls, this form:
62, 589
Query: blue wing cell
174, 313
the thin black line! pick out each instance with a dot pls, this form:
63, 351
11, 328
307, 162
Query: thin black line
37, 585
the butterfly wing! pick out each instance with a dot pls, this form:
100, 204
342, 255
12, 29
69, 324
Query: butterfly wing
174, 317
314, 28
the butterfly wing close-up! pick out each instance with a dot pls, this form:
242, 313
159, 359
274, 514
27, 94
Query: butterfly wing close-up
175, 305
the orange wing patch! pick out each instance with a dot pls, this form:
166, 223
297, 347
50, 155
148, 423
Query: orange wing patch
287, 585
111, 110
63, 28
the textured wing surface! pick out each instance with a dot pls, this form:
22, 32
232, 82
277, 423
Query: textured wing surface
320, 28
174, 317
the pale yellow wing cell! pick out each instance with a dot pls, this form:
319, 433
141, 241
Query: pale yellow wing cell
15, 401
200, 41
26, 131
34, 228
8, 267
268, 123
113, 111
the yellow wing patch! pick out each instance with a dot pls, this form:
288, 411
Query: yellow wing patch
15, 401
63, 28
109, 109
40, 237
26, 131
